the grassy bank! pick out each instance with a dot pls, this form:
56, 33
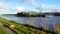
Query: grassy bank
2, 31
24, 29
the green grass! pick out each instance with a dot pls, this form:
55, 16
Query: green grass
2, 31
23, 29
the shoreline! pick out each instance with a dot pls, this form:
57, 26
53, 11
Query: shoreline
22, 27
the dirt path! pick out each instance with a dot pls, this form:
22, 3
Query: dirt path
8, 31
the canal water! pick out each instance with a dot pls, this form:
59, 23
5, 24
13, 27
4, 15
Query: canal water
36, 21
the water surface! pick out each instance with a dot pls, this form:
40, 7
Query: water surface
36, 21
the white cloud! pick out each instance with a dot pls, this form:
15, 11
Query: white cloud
20, 8
48, 7
3, 7
6, 9
32, 2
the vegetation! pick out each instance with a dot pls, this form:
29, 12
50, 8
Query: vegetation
2, 31
24, 29
31, 14
35, 14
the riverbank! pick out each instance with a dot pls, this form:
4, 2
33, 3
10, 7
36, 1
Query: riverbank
2, 31
6, 29
24, 29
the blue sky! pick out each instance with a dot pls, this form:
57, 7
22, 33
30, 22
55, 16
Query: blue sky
14, 6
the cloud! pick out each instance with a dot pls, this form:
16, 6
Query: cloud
6, 9
3, 7
20, 8
48, 7
43, 6
32, 2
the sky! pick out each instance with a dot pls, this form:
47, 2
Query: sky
14, 6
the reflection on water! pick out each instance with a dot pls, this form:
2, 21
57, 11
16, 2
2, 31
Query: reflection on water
36, 21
